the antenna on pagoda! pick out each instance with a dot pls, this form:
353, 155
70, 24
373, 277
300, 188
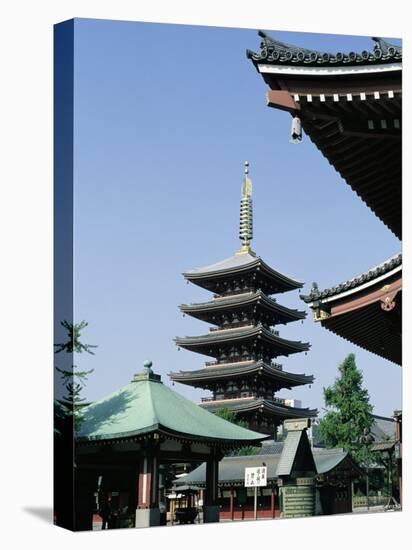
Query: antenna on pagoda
246, 213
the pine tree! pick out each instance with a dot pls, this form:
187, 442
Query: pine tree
349, 416
74, 379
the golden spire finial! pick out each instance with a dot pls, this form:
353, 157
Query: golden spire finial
246, 213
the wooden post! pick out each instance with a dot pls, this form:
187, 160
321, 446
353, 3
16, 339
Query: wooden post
398, 424
148, 483
272, 503
211, 508
147, 509
232, 508
390, 488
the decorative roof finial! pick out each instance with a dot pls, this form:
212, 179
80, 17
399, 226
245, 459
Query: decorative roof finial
246, 213
147, 364
147, 373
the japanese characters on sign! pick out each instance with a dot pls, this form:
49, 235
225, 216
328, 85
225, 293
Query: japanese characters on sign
256, 477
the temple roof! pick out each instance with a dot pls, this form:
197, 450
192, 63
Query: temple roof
237, 261
383, 428
366, 310
383, 446
249, 404
282, 313
232, 468
350, 106
242, 369
242, 263
283, 346
369, 276
274, 52
146, 406
296, 449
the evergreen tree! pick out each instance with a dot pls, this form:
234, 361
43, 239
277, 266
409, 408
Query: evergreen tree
230, 416
349, 418
74, 379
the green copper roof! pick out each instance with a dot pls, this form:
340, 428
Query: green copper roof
146, 405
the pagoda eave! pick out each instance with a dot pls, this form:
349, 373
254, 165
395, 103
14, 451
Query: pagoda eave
270, 407
207, 344
207, 310
208, 375
238, 265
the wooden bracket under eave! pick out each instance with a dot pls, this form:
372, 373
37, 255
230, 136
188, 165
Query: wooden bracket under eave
388, 303
320, 314
283, 100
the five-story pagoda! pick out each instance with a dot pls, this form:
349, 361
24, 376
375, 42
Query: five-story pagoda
243, 376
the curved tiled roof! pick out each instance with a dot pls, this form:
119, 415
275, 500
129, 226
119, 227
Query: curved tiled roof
255, 403
239, 370
239, 263
233, 262
243, 299
275, 52
146, 406
373, 273
239, 334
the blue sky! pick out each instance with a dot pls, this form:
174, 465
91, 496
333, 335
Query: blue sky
165, 116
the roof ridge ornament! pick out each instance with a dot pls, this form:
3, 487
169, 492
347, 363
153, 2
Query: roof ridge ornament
147, 374
246, 214
385, 47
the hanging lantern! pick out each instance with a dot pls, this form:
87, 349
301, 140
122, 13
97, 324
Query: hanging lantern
296, 130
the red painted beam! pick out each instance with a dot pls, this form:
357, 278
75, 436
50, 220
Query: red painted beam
283, 100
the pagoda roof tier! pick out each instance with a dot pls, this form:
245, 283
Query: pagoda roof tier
205, 311
243, 263
202, 377
254, 404
207, 343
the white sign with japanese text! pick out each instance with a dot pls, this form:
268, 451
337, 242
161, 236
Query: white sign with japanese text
256, 477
